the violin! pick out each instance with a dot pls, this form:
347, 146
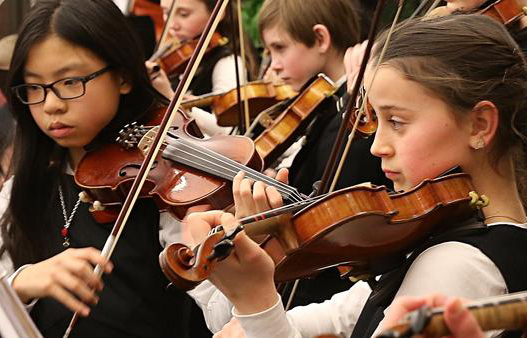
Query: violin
507, 12
174, 56
294, 120
363, 227
189, 171
507, 312
260, 95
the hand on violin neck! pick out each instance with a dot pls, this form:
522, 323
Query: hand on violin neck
159, 79
246, 276
459, 320
200, 223
254, 197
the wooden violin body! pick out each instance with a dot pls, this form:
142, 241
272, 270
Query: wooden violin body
363, 227
259, 94
369, 229
293, 121
173, 58
507, 12
107, 173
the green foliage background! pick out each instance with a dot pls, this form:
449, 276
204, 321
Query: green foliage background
250, 10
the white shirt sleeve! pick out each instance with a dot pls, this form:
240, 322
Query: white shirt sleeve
5, 261
224, 74
215, 306
6, 265
337, 315
208, 123
169, 230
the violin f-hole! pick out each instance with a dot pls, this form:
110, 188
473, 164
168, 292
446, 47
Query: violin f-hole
124, 171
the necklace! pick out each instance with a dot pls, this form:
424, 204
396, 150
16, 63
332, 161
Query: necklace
67, 220
507, 217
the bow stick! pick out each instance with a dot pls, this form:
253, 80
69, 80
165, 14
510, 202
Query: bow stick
330, 167
360, 112
151, 155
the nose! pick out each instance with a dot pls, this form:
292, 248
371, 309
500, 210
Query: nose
176, 26
53, 104
381, 146
276, 65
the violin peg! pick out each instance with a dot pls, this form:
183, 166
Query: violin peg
84, 197
98, 206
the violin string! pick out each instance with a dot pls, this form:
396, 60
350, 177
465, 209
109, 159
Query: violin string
285, 189
288, 190
237, 166
281, 210
251, 173
227, 173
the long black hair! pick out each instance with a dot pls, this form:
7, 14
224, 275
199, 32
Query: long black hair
98, 26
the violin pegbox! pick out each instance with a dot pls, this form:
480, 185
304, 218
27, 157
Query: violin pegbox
129, 136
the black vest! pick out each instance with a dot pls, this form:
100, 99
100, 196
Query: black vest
135, 301
504, 244
202, 81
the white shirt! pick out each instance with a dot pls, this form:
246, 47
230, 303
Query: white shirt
451, 268
223, 80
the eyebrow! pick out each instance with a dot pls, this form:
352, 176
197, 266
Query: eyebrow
392, 107
59, 72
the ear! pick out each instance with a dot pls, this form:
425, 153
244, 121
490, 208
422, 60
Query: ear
322, 38
485, 120
125, 84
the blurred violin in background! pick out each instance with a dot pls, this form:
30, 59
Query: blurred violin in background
174, 55
259, 94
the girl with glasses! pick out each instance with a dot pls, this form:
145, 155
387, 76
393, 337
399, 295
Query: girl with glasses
77, 77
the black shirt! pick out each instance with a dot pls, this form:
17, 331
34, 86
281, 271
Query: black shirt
135, 301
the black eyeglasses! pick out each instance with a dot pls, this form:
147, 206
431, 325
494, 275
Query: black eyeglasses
66, 89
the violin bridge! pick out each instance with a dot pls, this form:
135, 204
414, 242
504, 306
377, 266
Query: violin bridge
146, 141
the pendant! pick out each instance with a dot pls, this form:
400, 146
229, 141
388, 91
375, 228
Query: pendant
66, 242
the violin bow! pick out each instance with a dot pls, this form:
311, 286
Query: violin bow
242, 109
153, 150
241, 34
364, 102
330, 166
164, 34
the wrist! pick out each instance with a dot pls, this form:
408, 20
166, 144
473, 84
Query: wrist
255, 302
17, 283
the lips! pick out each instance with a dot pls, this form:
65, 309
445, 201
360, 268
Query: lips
389, 173
59, 130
